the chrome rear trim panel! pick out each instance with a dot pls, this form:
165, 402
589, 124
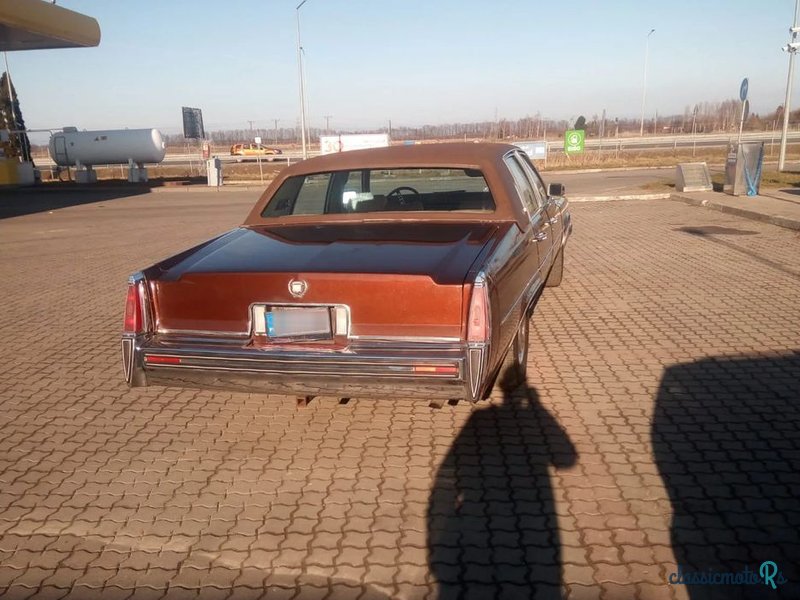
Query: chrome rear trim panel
366, 369
365, 387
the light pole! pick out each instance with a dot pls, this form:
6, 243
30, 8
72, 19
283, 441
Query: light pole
791, 48
644, 82
11, 97
302, 83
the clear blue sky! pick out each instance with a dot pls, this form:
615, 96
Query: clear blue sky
411, 61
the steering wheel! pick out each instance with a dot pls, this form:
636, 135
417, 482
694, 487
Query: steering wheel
398, 191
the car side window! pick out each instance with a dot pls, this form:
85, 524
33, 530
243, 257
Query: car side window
523, 185
533, 175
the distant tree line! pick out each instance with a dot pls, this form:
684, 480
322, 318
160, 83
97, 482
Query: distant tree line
704, 117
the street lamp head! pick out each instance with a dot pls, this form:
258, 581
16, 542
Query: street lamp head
652, 31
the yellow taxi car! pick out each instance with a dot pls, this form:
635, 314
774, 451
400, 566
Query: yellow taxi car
254, 150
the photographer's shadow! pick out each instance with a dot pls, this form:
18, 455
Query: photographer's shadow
492, 524
726, 441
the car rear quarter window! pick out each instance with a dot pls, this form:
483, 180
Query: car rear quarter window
311, 196
533, 176
522, 184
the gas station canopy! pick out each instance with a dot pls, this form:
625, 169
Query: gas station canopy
37, 25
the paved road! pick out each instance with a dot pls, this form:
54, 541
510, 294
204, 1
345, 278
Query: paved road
658, 430
611, 182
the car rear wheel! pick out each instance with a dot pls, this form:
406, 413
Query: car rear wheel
557, 272
515, 365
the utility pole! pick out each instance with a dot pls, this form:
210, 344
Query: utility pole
328, 123
603, 125
302, 83
276, 130
644, 82
791, 48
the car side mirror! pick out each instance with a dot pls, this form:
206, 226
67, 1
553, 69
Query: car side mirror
556, 189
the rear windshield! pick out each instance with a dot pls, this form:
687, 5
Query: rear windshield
380, 190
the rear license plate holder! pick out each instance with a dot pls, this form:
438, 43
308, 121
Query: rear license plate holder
298, 323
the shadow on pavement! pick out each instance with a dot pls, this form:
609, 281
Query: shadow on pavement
793, 190
16, 202
726, 439
709, 233
492, 525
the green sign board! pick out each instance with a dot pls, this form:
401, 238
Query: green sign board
574, 140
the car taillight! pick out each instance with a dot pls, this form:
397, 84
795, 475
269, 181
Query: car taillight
478, 320
134, 317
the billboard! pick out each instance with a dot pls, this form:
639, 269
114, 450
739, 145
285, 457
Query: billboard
328, 144
193, 123
534, 150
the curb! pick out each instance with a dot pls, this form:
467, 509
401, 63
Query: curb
659, 196
778, 220
604, 170
206, 189
132, 189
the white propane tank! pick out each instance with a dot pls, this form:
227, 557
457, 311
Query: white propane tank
108, 147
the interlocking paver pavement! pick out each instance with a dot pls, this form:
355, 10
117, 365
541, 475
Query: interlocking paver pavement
658, 429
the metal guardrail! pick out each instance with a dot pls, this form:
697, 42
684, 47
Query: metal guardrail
677, 141
707, 140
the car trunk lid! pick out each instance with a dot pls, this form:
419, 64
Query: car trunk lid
398, 279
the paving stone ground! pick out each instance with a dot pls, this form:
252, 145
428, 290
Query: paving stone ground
658, 431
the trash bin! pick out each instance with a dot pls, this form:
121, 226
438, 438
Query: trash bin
214, 170
743, 169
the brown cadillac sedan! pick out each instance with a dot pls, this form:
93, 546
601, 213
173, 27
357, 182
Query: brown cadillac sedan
401, 271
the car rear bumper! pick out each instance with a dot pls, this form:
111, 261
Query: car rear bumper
390, 368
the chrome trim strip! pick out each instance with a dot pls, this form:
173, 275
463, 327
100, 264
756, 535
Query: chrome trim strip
305, 358
202, 333
376, 387
405, 338
136, 277
127, 357
277, 371
356, 338
476, 356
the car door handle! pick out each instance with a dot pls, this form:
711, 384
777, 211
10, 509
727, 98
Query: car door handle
540, 236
